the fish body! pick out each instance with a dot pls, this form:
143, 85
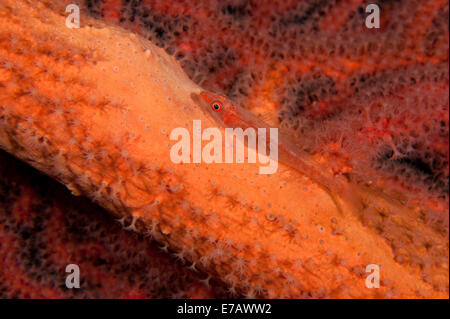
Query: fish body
230, 115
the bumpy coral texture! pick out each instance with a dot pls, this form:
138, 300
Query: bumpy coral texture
373, 102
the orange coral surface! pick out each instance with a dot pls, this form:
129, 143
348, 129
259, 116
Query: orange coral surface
94, 107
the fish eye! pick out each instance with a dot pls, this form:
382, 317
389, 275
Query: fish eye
216, 106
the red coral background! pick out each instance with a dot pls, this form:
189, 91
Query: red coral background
374, 102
